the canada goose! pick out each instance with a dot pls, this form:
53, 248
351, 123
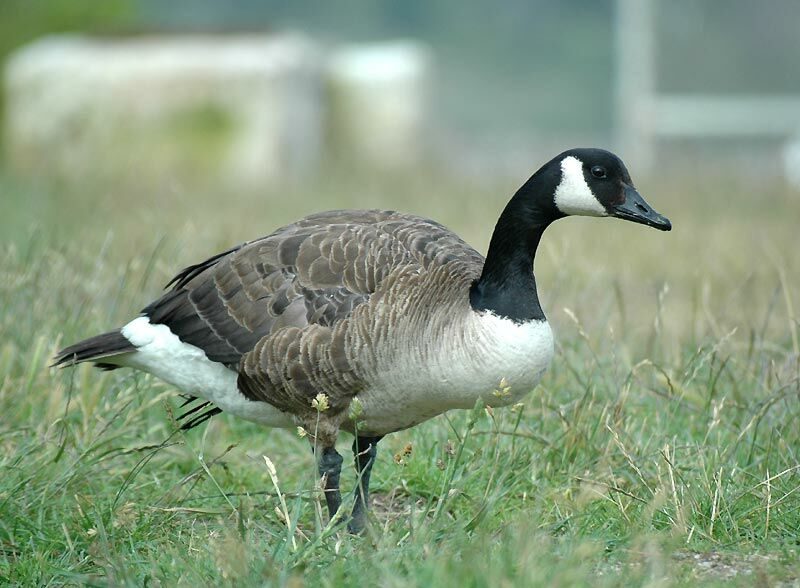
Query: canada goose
365, 320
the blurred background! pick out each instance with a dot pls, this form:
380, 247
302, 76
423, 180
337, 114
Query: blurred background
138, 128
469, 89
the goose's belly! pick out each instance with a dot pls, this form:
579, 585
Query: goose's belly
446, 370
494, 360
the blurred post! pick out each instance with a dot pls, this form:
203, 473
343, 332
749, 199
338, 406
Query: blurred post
378, 104
635, 81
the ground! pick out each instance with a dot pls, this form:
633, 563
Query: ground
661, 449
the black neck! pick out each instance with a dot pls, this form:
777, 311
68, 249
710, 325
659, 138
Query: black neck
507, 286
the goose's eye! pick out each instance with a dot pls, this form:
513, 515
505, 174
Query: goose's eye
599, 172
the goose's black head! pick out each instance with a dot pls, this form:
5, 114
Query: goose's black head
590, 182
594, 182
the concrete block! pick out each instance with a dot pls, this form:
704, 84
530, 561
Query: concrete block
238, 110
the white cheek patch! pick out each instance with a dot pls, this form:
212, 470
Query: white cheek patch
573, 195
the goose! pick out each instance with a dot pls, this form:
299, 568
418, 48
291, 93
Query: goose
365, 321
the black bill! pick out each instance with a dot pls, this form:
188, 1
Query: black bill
635, 209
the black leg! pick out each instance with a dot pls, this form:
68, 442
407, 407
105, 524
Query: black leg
330, 467
364, 451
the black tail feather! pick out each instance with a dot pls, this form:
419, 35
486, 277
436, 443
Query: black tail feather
94, 348
114, 343
196, 419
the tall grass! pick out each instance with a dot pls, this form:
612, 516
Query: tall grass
660, 449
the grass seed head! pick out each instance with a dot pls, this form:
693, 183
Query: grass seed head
320, 402
503, 389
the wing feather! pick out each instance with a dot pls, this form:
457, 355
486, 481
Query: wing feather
276, 308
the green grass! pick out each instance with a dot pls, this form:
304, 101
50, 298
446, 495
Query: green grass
661, 449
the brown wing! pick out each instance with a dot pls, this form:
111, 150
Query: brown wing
275, 305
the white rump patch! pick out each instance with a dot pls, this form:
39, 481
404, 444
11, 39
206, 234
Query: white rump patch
160, 352
573, 195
